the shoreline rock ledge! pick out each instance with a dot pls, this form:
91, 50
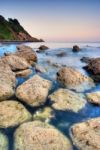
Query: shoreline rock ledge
86, 135
34, 91
37, 135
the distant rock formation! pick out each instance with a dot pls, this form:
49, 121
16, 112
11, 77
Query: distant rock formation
11, 30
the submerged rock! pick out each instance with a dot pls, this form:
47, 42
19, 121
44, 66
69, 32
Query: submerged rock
26, 52
86, 59
12, 113
86, 135
94, 97
24, 73
7, 81
64, 99
61, 54
39, 68
44, 114
73, 79
34, 91
76, 48
37, 135
16, 63
3, 142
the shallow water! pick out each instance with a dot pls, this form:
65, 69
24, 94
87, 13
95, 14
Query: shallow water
49, 60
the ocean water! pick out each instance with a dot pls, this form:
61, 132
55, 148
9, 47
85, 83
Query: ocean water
50, 61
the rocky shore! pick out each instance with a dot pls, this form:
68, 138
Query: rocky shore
30, 107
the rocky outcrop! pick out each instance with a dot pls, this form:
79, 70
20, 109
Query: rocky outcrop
12, 113
24, 73
44, 114
40, 136
7, 81
86, 135
64, 99
16, 63
94, 97
76, 48
27, 53
73, 79
3, 142
34, 91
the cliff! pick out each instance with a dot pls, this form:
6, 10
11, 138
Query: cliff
11, 30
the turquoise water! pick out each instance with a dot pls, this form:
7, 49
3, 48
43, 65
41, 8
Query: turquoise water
49, 60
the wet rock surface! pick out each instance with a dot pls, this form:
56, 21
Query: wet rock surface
94, 97
24, 73
3, 142
26, 52
86, 135
40, 136
64, 99
16, 63
7, 81
34, 91
73, 79
12, 113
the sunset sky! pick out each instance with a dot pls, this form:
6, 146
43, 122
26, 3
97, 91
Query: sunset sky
56, 20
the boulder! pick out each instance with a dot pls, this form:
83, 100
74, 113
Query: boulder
16, 63
24, 73
39, 68
73, 79
34, 91
76, 48
3, 142
43, 48
44, 114
86, 135
26, 52
37, 135
7, 81
64, 99
94, 66
12, 113
94, 97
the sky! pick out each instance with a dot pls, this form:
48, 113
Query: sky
56, 20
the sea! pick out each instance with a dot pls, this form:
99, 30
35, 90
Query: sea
51, 61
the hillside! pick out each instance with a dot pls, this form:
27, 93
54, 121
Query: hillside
11, 30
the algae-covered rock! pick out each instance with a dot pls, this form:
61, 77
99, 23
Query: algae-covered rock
12, 113
3, 142
94, 97
44, 114
64, 99
34, 91
73, 79
86, 135
40, 136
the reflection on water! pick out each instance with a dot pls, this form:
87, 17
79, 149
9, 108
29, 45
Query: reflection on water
51, 62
